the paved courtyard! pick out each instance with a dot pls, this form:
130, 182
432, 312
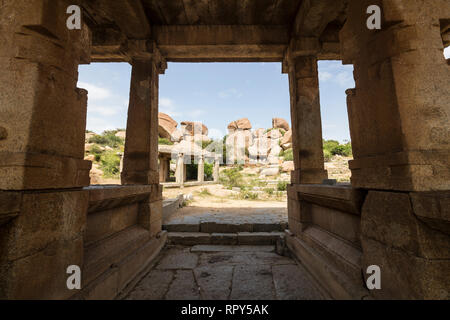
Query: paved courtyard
206, 272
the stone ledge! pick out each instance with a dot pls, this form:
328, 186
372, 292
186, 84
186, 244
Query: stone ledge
112, 196
338, 285
9, 206
123, 275
241, 238
340, 197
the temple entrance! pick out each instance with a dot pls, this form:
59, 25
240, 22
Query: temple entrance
391, 216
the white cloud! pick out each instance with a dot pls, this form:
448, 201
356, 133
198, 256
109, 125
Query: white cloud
325, 76
215, 134
104, 110
95, 93
167, 106
196, 113
230, 93
98, 125
447, 53
345, 79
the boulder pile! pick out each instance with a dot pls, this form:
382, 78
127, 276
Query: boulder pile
260, 145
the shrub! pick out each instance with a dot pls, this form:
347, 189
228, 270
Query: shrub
165, 141
209, 170
97, 152
269, 191
333, 147
231, 178
247, 195
282, 186
107, 138
327, 155
110, 164
288, 155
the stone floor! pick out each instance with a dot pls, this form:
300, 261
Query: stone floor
225, 273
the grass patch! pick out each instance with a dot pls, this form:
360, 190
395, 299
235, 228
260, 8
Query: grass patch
282, 186
110, 164
165, 141
204, 193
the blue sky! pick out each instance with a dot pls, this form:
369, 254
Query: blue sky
217, 93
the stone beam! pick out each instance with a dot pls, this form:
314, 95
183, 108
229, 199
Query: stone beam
222, 43
314, 15
129, 16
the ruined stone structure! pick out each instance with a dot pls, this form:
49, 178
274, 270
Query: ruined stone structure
394, 215
183, 155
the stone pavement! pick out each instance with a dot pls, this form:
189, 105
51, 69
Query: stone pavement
225, 273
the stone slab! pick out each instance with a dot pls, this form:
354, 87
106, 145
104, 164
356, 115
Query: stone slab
178, 258
240, 248
183, 286
215, 282
153, 286
186, 227
189, 238
259, 238
293, 283
224, 238
252, 282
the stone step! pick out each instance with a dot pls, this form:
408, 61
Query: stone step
334, 279
217, 227
239, 238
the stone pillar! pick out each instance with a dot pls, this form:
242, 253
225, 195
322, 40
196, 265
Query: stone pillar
140, 165
180, 171
201, 169
399, 113
306, 120
167, 173
42, 128
164, 169
399, 123
216, 174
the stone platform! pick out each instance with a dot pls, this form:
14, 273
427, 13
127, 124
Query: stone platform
226, 273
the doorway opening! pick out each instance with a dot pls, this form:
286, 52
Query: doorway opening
334, 80
108, 86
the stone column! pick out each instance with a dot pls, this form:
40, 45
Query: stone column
399, 123
306, 120
180, 171
42, 129
216, 171
399, 112
164, 169
140, 165
167, 173
201, 169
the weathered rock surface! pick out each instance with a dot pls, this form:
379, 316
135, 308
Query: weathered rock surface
121, 134
280, 123
166, 125
243, 124
270, 172
258, 132
287, 138
192, 128
287, 166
